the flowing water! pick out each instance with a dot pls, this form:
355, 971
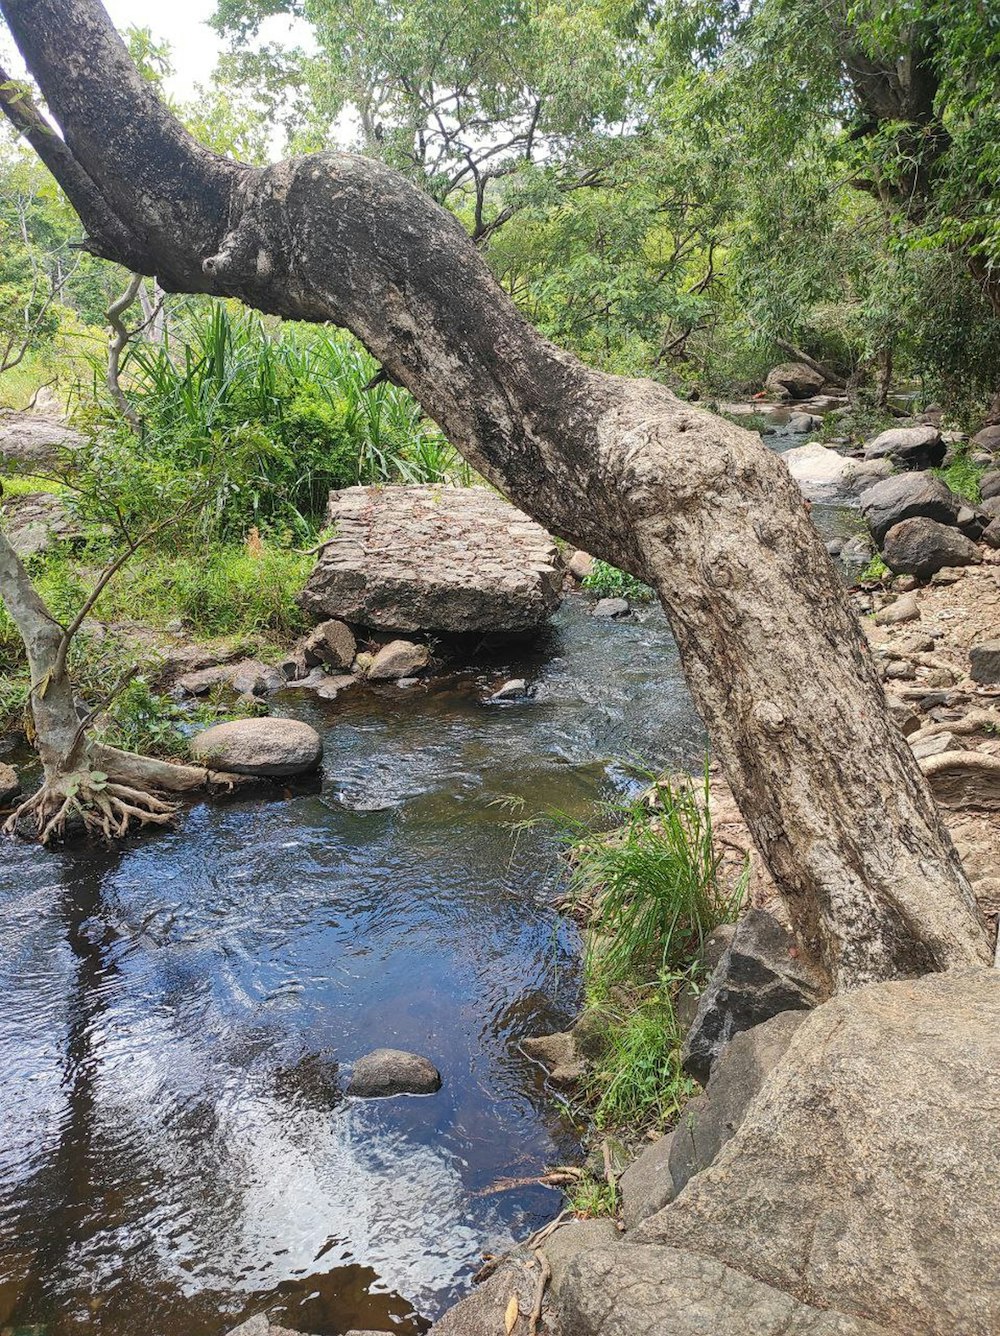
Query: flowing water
175, 1152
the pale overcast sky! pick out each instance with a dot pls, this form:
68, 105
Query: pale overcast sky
182, 23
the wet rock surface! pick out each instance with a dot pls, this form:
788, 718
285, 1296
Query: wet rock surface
431, 558
391, 1071
270, 748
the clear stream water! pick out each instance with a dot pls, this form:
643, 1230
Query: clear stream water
175, 1154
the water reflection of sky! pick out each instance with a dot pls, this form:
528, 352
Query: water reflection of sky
175, 1153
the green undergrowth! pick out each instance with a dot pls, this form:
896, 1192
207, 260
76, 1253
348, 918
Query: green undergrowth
963, 476
875, 570
607, 581
651, 892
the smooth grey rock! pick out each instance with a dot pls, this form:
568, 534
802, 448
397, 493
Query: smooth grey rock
646, 1186
984, 663
432, 558
738, 1075
987, 439
638, 1290
271, 748
10, 785
933, 745
856, 550
991, 534
989, 485
247, 677
515, 689
800, 423
904, 496
909, 447
611, 607
825, 475
332, 643
866, 1174
580, 565
391, 1071
921, 547
900, 610
400, 658
794, 380
990, 507
759, 975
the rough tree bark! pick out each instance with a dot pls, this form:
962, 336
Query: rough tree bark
697, 507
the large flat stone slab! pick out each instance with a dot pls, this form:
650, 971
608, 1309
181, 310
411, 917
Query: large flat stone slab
455, 560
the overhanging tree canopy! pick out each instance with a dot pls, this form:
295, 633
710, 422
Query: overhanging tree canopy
690, 503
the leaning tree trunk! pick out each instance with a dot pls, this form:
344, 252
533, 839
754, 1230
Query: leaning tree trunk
84, 782
697, 507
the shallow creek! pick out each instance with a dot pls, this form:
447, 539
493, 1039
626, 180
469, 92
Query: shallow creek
174, 1152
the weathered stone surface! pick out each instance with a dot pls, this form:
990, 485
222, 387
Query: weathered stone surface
557, 1052
984, 663
759, 975
933, 745
483, 1312
964, 780
991, 534
34, 521
794, 380
580, 564
989, 485
629, 1290
865, 1178
247, 677
904, 496
824, 475
738, 1075
433, 558
392, 1071
266, 747
909, 447
260, 1326
646, 1186
572, 1239
921, 547
900, 610
331, 642
400, 658
987, 439
799, 423
610, 607
31, 441
10, 785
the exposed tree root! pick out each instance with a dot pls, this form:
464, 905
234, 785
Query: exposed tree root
96, 807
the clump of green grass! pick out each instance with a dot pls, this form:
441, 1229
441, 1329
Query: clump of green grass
654, 886
607, 581
876, 569
592, 1198
140, 719
639, 1079
963, 476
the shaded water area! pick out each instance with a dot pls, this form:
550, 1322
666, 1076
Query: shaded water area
175, 1153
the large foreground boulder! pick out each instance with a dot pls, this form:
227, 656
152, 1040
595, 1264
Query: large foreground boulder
794, 380
864, 1179
271, 748
455, 560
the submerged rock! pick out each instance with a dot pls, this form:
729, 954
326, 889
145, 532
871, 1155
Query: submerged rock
271, 748
760, 974
431, 558
559, 1053
391, 1071
515, 689
611, 607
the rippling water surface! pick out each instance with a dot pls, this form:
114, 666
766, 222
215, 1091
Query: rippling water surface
175, 1152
